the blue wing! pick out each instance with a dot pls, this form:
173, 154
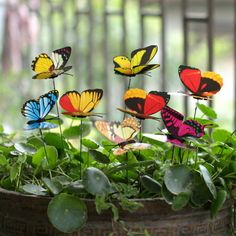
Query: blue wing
35, 111
40, 125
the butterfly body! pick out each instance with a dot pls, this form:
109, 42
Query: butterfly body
178, 128
37, 110
47, 67
202, 85
142, 105
80, 105
138, 64
122, 133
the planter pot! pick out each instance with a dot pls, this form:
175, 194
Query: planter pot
26, 215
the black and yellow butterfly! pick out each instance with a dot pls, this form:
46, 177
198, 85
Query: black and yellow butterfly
138, 64
81, 104
47, 67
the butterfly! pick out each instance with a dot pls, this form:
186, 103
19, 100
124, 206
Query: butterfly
122, 133
178, 128
138, 64
80, 105
47, 67
201, 84
142, 105
37, 110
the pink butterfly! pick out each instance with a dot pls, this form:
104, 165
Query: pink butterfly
178, 128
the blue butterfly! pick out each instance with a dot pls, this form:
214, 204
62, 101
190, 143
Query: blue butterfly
36, 111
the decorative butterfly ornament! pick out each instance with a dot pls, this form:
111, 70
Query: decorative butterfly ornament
47, 67
138, 64
202, 85
178, 128
122, 133
142, 105
80, 105
37, 110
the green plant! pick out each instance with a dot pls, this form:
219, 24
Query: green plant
71, 166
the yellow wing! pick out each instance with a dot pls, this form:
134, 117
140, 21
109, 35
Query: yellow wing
89, 99
142, 56
80, 105
42, 63
122, 65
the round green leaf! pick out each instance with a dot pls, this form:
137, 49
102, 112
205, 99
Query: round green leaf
178, 179
221, 135
25, 148
74, 132
89, 143
45, 157
167, 195
208, 180
99, 156
35, 141
208, 111
34, 189
218, 202
180, 201
55, 139
54, 186
67, 213
96, 182
150, 184
199, 198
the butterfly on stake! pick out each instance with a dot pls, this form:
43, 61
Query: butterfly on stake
179, 128
122, 133
80, 105
36, 111
142, 105
47, 67
202, 85
138, 64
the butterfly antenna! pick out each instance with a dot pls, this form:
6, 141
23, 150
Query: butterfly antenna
67, 74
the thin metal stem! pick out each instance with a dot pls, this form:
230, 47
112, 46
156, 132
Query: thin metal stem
45, 150
195, 110
58, 115
80, 146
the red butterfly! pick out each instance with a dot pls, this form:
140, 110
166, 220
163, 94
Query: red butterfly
179, 129
143, 105
201, 84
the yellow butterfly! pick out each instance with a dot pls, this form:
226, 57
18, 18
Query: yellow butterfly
80, 105
138, 64
122, 133
50, 67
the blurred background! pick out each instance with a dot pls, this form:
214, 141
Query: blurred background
198, 33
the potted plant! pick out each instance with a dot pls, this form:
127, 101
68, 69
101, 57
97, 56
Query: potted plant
181, 182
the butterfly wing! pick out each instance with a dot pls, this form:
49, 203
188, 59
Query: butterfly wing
80, 105
119, 132
202, 85
211, 83
190, 77
141, 57
135, 100
172, 120
35, 111
155, 101
191, 128
60, 57
43, 66
122, 66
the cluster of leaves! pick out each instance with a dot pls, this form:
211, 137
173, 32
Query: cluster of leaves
70, 174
